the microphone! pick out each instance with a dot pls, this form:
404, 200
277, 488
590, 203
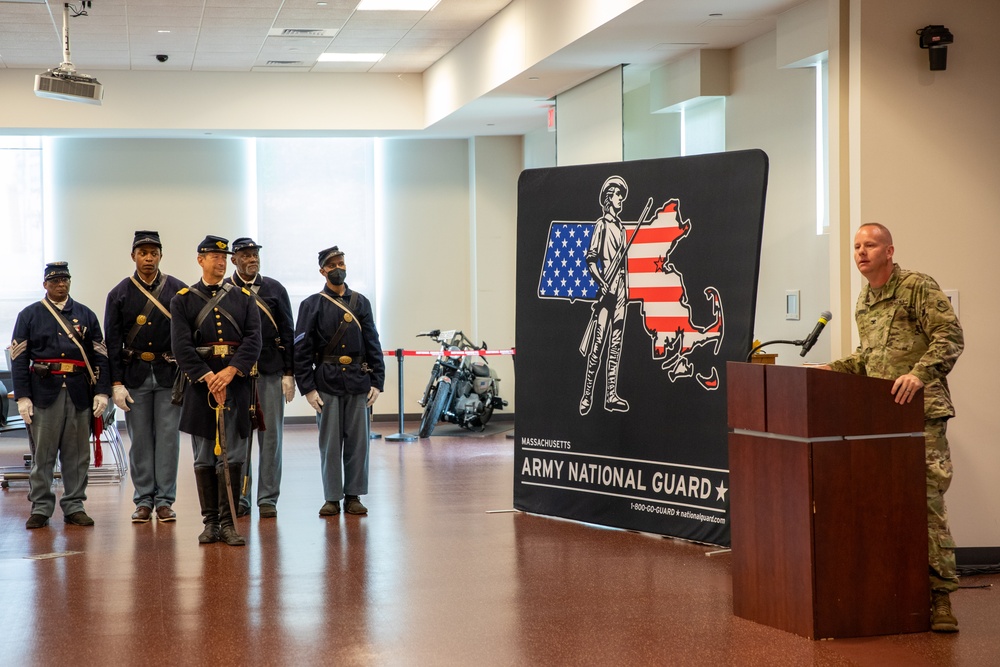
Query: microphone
808, 343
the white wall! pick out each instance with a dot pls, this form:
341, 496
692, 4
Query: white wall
774, 110
929, 159
648, 135
496, 164
589, 121
252, 103
448, 209
102, 190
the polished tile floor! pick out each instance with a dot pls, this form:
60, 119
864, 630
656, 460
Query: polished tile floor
431, 577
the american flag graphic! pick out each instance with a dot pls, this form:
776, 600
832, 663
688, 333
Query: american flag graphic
652, 279
564, 271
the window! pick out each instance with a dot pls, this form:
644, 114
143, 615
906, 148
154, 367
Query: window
22, 249
822, 148
703, 127
313, 194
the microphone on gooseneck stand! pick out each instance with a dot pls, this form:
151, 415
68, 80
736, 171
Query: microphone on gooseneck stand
808, 343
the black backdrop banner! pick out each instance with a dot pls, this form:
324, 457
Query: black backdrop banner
636, 283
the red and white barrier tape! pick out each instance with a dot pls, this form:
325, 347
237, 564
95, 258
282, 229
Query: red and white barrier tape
450, 353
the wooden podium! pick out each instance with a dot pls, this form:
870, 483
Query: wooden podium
828, 503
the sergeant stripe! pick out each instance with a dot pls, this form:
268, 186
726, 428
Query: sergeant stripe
17, 348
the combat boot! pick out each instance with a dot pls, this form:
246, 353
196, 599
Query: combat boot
208, 497
942, 619
227, 530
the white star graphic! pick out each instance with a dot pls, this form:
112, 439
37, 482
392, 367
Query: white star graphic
721, 488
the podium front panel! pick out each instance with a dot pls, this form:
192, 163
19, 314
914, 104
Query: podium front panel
771, 516
870, 537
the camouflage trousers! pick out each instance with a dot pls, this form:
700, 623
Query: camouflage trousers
941, 546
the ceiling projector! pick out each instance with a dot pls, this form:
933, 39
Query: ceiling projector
63, 82
60, 84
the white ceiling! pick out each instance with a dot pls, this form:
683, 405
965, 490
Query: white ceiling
240, 36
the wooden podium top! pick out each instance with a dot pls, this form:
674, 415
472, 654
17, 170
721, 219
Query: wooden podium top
808, 402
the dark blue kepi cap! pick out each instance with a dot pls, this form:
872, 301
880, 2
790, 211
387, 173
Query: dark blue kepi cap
328, 253
144, 237
56, 270
214, 244
243, 243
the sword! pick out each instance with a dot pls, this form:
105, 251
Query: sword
256, 423
220, 448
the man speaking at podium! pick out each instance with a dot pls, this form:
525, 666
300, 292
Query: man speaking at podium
910, 333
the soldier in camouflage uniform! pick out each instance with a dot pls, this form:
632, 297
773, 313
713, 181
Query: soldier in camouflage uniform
910, 334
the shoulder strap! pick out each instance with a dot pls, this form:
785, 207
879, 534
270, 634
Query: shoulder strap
154, 299
263, 306
348, 308
151, 301
73, 336
349, 317
212, 302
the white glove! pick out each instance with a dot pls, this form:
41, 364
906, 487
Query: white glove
288, 387
100, 404
373, 394
25, 408
121, 397
315, 401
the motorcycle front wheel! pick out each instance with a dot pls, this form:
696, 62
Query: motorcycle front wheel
436, 405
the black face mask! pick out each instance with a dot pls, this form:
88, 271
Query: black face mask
337, 276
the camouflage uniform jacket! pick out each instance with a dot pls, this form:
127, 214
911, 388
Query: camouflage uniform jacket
908, 326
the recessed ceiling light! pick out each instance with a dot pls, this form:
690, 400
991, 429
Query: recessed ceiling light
350, 57
396, 5
163, 31
321, 4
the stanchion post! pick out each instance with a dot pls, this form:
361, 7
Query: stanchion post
372, 435
400, 436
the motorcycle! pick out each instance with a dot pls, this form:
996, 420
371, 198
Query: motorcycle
462, 390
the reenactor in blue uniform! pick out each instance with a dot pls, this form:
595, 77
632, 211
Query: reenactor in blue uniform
275, 381
59, 365
215, 335
340, 370
137, 325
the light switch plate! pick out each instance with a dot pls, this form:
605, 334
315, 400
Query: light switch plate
952, 295
792, 304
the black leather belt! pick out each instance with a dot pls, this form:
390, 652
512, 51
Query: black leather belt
132, 355
341, 360
220, 351
44, 368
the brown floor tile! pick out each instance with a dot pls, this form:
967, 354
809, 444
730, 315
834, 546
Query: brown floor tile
428, 578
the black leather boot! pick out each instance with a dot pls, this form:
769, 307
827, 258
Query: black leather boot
208, 496
227, 529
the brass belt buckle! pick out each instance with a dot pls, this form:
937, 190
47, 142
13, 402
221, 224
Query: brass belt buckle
345, 360
220, 350
66, 368
147, 356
